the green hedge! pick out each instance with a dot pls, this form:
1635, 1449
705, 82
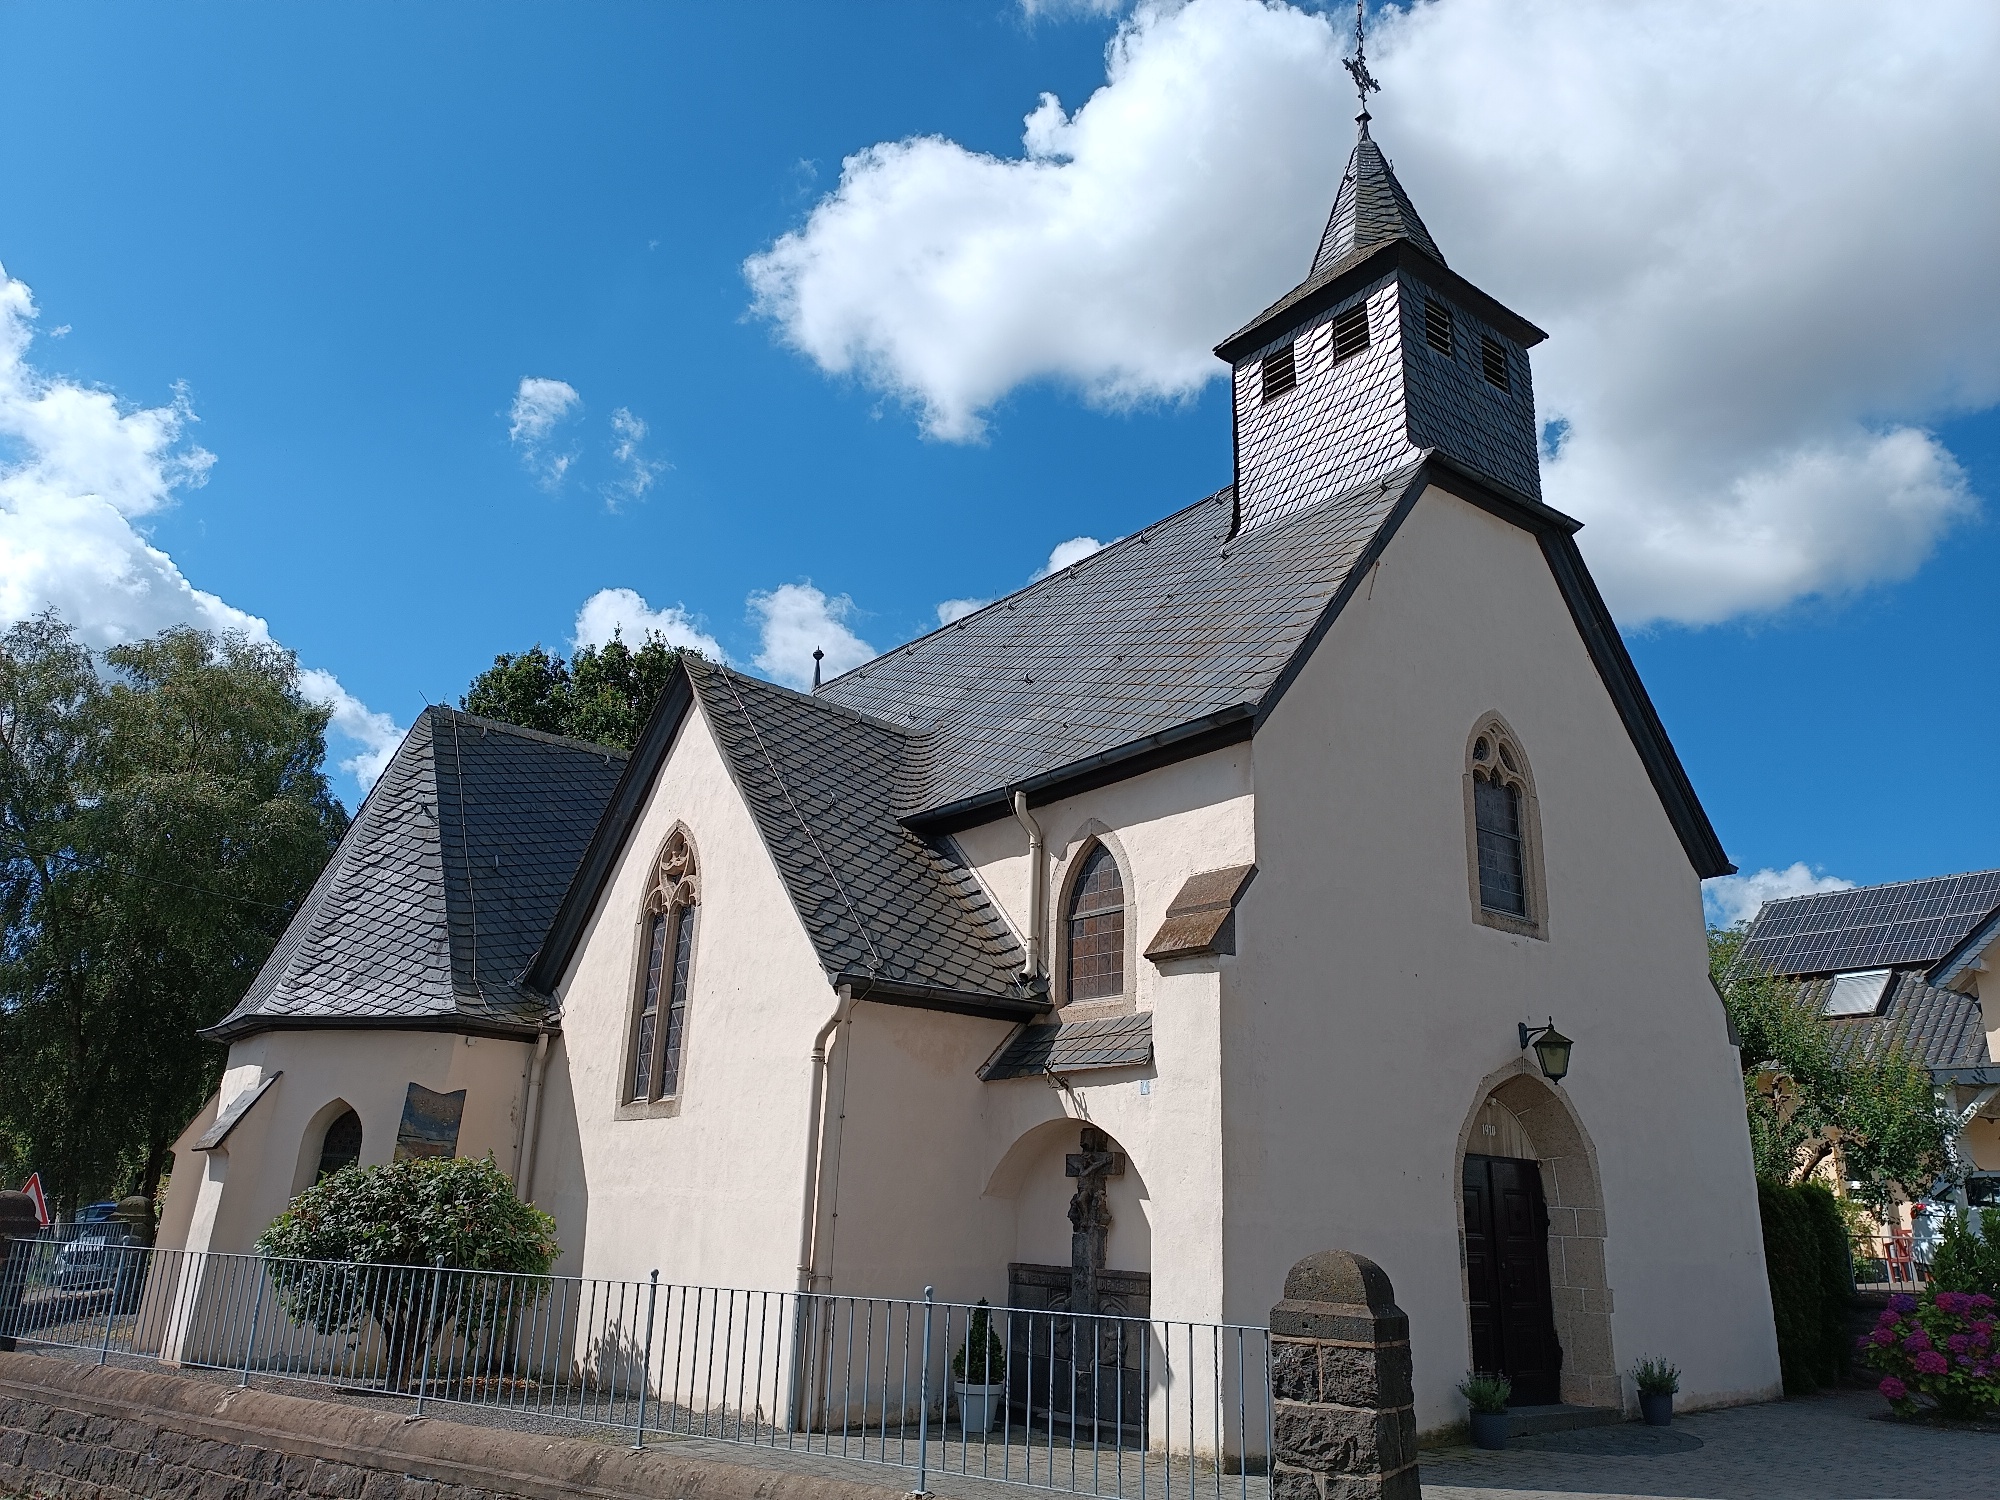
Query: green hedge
1805, 1256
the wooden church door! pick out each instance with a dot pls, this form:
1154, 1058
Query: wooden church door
1507, 1274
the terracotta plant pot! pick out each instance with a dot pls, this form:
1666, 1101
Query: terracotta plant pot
1657, 1407
1489, 1429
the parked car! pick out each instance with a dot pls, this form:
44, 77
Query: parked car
96, 1213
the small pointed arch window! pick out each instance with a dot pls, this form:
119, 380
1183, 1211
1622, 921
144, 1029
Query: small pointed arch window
666, 955
1503, 837
340, 1146
1094, 929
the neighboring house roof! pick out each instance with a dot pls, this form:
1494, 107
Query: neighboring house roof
1912, 922
442, 888
1940, 1028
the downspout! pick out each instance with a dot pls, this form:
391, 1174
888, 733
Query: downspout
531, 1126
1038, 887
814, 1131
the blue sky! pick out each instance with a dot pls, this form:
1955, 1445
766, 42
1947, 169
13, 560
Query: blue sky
345, 235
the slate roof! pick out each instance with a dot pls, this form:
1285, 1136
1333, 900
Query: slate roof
1072, 1046
882, 906
1912, 922
1370, 209
1941, 1028
1174, 626
442, 888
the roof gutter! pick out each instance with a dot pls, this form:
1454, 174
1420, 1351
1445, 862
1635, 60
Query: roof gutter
1038, 888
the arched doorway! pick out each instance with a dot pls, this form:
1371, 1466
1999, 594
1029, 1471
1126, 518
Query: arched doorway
1531, 1225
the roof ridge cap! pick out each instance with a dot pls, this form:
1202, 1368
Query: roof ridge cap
568, 741
904, 731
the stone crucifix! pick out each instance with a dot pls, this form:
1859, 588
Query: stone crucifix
1091, 1164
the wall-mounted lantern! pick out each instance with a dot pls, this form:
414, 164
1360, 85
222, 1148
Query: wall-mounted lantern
1551, 1048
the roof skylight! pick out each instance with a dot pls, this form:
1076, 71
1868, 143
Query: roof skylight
1857, 993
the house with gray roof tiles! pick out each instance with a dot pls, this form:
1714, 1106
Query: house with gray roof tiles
1904, 965
1239, 853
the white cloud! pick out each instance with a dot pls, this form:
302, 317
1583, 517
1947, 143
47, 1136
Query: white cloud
540, 407
77, 468
375, 735
793, 620
1731, 899
625, 612
957, 609
1760, 237
1035, 9
1075, 550
639, 473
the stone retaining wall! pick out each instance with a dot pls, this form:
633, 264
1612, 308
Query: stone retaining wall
84, 1432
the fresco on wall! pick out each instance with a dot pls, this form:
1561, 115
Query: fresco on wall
430, 1123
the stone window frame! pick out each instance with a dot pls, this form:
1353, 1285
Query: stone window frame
1495, 729
673, 889
1572, 1185
1092, 835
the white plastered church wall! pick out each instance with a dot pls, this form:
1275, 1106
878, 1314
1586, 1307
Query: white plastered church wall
1366, 1005
234, 1191
1165, 825
714, 1192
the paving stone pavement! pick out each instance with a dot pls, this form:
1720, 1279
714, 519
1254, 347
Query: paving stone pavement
1818, 1448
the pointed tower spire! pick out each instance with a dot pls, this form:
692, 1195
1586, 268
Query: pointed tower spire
1371, 207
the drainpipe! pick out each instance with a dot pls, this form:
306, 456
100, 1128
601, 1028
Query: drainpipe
814, 1131
531, 1129
1038, 887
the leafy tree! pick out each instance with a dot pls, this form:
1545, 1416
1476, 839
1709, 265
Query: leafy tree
1810, 1093
162, 812
338, 1251
604, 695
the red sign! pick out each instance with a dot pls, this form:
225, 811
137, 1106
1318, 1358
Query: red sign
33, 1188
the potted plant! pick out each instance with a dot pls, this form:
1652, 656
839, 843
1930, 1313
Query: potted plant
1487, 1395
979, 1371
1657, 1380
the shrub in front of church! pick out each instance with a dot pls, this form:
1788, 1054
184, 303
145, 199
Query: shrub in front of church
982, 1358
1938, 1352
1805, 1259
364, 1244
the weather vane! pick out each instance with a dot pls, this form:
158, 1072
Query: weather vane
1357, 65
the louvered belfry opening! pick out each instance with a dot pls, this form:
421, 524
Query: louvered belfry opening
1437, 326
1280, 372
1493, 361
1097, 929
1350, 332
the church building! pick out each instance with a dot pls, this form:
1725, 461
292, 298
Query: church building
1213, 888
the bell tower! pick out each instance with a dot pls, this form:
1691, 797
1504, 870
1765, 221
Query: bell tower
1382, 356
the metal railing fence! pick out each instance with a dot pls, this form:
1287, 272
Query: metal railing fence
1093, 1404
1890, 1263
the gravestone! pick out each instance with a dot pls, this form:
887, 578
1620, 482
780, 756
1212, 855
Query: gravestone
1345, 1419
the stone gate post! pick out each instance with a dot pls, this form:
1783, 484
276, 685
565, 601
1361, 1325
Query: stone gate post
1345, 1422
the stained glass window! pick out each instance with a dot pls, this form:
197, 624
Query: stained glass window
1097, 929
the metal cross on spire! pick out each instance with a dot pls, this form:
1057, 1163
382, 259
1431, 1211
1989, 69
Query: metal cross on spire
1357, 65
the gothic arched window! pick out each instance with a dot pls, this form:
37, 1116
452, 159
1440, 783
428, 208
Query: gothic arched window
1502, 822
666, 951
340, 1146
1095, 929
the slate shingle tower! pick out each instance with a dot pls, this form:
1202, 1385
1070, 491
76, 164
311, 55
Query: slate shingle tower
1381, 354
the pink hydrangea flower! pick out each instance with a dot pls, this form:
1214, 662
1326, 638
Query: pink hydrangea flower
1893, 1388
1916, 1340
1882, 1337
1947, 1302
1958, 1343
1929, 1362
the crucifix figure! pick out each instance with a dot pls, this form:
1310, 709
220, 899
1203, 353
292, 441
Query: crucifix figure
1089, 1214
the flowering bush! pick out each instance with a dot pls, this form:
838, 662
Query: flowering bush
1939, 1351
